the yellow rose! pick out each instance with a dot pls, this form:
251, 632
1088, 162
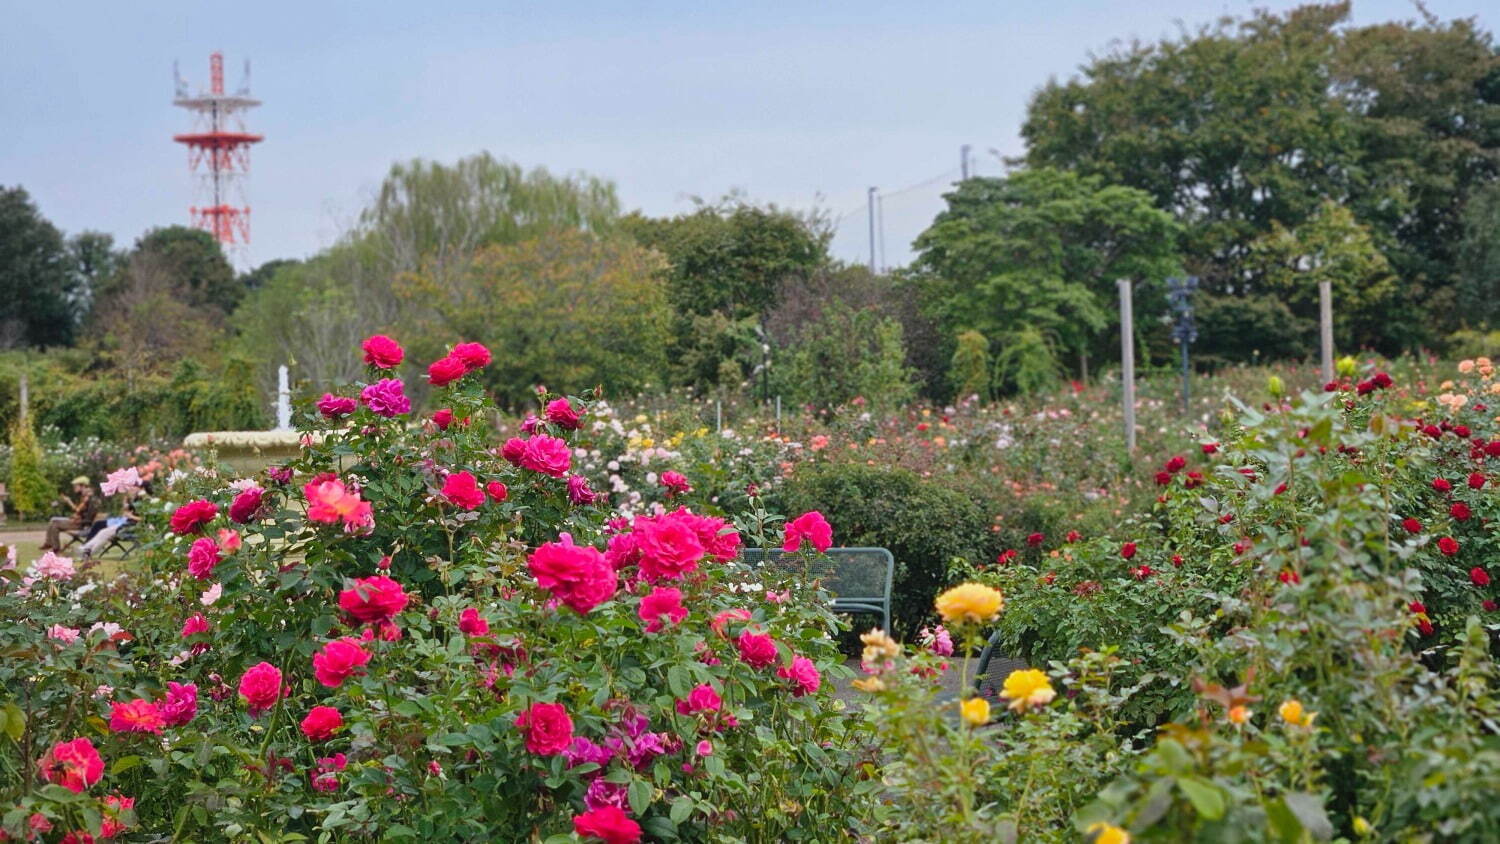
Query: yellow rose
1105, 833
878, 646
970, 602
1028, 687
1292, 712
976, 711
869, 684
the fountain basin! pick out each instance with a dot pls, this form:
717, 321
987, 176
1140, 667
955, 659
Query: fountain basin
248, 452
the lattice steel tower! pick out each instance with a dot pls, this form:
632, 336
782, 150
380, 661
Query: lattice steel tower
219, 153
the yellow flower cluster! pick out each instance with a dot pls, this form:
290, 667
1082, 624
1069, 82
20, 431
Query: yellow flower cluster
878, 647
970, 602
1028, 687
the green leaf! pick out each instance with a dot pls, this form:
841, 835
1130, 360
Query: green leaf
1309, 810
640, 796
124, 763
682, 809
14, 722
1207, 798
679, 681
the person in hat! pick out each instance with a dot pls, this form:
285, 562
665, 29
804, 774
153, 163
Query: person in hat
85, 509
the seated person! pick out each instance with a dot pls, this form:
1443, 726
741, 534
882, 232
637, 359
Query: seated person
112, 526
85, 510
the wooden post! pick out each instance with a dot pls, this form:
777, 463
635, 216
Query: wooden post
1325, 320
1127, 362
25, 397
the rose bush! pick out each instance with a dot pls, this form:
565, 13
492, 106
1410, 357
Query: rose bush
416, 630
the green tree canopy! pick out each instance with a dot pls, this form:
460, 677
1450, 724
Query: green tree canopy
200, 273
39, 292
1040, 250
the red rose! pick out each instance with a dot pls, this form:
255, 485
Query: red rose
443, 418
1411, 525
193, 515
1479, 577
338, 661
1441, 484
1477, 480
608, 824
560, 412
473, 355
1460, 511
373, 599
446, 371
1163, 478
471, 623
1127, 550
1176, 463
1194, 480
1448, 545
548, 728
1073, 536
1489, 606
1381, 380
463, 491
320, 723
243, 508
382, 352
1035, 539
1177, 560
1417, 607
260, 686
1492, 448
497, 491
757, 650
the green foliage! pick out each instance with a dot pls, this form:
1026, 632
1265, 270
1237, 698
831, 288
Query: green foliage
970, 368
30, 492
571, 310
1252, 123
924, 523
1026, 363
731, 257
1257, 328
39, 292
195, 261
1478, 293
1037, 253
844, 355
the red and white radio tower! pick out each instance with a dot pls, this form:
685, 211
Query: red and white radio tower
219, 153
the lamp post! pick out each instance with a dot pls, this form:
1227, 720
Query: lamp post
1184, 330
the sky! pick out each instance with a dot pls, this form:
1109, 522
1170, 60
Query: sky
804, 104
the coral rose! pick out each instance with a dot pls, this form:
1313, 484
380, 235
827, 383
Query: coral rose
136, 716
74, 765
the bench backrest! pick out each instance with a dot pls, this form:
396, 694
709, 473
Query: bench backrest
859, 574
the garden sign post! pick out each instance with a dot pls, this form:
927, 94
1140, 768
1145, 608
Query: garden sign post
1127, 362
1184, 331
1325, 325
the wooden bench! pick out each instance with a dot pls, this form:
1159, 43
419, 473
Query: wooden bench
859, 578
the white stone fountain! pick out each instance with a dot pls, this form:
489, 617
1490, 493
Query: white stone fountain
250, 451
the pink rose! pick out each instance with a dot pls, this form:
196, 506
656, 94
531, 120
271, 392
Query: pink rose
577, 575
702, 698
203, 556
382, 352
548, 455
548, 728
461, 490
74, 765
373, 599
513, 449
332, 406
662, 603
579, 492
338, 661
195, 624
804, 673
386, 397
560, 412
261, 688
181, 704
669, 545
471, 623
757, 650
675, 483
811, 527
320, 723
608, 824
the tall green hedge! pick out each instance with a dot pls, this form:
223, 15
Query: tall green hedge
30, 491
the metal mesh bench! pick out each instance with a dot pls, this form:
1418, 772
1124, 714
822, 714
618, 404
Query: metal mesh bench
859, 578
994, 667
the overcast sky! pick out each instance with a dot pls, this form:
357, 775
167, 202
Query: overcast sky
799, 103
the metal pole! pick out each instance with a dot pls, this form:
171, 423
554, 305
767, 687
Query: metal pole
1127, 361
1325, 318
963, 161
872, 230
1184, 346
718, 415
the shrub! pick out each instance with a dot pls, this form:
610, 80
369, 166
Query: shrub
925, 523
30, 491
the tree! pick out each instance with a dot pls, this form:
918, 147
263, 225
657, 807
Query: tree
39, 293
30, 491
1040, 251
196, 264
569, 309
1479, 258
731, 257
156, 310
1330, 246
844, 355
1249, 124
970, 371
95, 261
436, 216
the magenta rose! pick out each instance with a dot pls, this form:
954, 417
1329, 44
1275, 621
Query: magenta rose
608, 824
243, 508
548, 455
804, 673
471, 623
757, 650
462, 491
192, 516
180, 705
261, 688
332, 406
576, 575
811, 527
560, 412
473, 355
373, 599
320, 723
702, 698
513, 450
202, 557
338, 661
386, 397
663, 604
669, 546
